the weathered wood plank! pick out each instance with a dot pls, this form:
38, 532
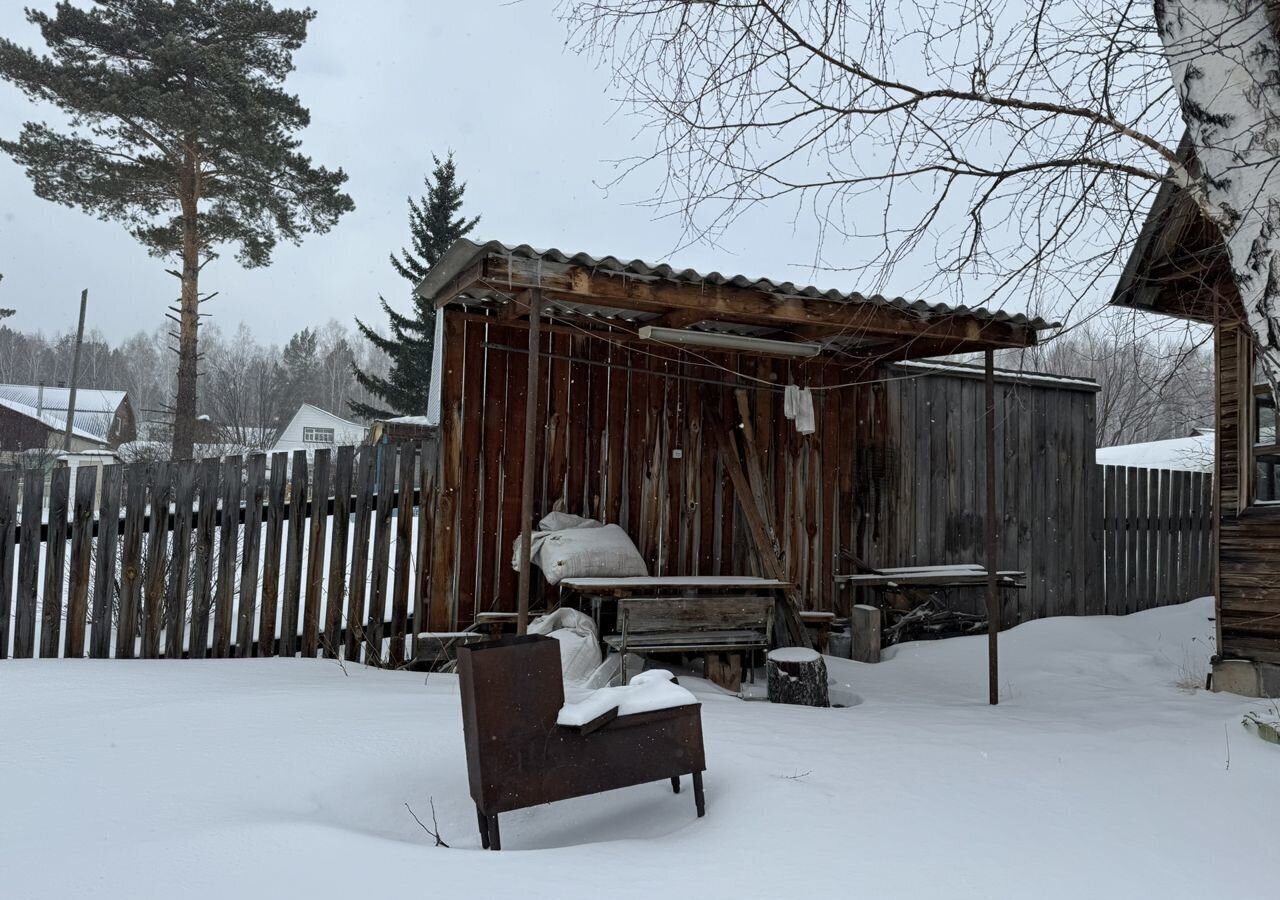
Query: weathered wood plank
202, 571
344, 467
81, 561
365, 486
255, 490
153, 617
404, 554
107, 551
179, 581
380, 561
291, 598
426, 522
444, 553
8, 553
138, 479
316, 535
228, 549
55, 558
29, 552
272, 547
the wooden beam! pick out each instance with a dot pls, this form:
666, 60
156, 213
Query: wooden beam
528, 476
569, 283
993, 592
679, 318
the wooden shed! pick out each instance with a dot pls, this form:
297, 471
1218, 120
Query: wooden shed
1179, 268
640, 384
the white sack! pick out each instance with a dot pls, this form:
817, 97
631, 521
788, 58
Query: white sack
578, 638
583, 548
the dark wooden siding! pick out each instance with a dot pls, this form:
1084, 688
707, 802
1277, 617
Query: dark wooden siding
1248, 539
894, 473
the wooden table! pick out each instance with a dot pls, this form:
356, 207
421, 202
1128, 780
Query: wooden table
931, 576
602, 590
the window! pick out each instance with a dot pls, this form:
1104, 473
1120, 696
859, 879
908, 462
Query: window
312, 435
1259, 441
1266, 447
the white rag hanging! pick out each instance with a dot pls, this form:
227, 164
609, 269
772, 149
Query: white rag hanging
805, 423
797, 405
790, 400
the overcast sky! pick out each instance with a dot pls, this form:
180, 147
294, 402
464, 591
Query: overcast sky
533, 125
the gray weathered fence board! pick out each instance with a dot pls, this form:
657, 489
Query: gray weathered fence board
8, 550
153, 617
254, 493
365, 474
290, 599
202, 571
179, 581
343, 470
272, 548
317, 531
81, 560
135, 511
224, 597
108, 546
55, 559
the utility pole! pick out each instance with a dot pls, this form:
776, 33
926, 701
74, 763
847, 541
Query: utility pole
75, 373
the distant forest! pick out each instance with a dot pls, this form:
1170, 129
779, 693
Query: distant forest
1154, 384
249, 389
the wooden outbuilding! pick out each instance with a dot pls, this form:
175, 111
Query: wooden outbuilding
630, 425
1179, 268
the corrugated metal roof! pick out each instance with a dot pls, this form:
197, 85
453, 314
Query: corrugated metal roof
95, 409
464, 253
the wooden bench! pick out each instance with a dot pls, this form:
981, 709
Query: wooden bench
693, 624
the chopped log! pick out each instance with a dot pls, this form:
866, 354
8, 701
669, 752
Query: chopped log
797, 676
724, 669
866, 633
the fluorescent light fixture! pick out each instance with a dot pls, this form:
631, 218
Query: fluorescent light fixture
721, 341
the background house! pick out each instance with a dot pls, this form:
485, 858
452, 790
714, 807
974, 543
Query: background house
34, 416
312, 428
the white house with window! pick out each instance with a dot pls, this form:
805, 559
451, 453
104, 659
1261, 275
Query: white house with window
313, 428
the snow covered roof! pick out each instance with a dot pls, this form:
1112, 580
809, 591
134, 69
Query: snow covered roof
95, 409
969, 370
1193, 454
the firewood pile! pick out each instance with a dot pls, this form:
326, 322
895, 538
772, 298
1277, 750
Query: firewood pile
929, 620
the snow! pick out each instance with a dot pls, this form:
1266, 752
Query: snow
793, 655
646, 692
1101, 775
1194, 454
672, 581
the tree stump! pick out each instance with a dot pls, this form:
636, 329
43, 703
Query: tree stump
797, 676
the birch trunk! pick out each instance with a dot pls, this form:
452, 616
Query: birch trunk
1225, 60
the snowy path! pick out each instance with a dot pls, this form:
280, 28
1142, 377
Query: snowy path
1097, 777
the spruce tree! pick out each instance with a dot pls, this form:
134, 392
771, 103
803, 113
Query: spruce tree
434, 224
179, 128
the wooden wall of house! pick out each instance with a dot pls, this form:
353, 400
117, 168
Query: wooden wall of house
894, 473
1249, 540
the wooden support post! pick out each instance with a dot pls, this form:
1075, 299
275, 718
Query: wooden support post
993, 594
528, 476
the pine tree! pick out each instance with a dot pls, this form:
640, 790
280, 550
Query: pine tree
180, 129
434, 224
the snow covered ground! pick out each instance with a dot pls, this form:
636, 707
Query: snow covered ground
1102, 774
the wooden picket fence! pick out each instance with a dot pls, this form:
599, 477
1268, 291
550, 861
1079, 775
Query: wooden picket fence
1157, 537
232, 557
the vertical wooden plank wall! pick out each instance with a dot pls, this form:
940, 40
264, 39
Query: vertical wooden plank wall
893, 475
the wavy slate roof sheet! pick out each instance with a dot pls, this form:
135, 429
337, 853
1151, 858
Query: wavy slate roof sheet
465, 252
95, 409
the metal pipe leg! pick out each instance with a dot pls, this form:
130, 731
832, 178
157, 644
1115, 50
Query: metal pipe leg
698, 799
675, 784
495, 837
484, 828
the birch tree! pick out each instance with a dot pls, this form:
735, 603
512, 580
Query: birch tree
1001, 151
